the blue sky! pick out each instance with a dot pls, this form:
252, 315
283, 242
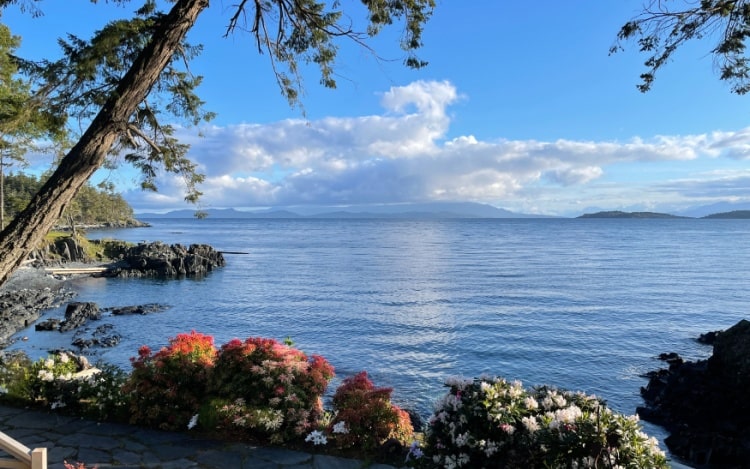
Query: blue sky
521, 107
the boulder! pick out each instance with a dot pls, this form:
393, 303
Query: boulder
103, 336
78, 313
704, 404
137, 309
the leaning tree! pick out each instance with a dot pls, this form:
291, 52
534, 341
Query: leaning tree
108, 80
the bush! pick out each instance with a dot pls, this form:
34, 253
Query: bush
365, 417
15, 377
100, 395
166, 389
50, 381
267, 389
493, 423
59, 382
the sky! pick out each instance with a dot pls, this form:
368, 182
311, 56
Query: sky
521, 107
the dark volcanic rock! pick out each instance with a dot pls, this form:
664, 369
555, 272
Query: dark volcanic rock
731, 357
139, 309
63, 249
161, 260
77, 314
20, 308
103, 336
704, 404
48, 325
708, 338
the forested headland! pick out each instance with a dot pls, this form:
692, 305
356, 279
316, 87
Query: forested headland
94, 205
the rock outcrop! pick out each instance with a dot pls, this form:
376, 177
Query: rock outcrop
158, 259
704, 404
63, 249
77, 314
20, 308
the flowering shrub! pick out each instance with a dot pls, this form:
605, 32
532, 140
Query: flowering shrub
100, 395
166, 388
50, 379
56, 382
493, 423
268, 389
365, 417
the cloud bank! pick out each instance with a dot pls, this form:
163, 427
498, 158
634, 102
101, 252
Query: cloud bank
407, 154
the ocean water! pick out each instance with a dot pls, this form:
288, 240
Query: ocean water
582, 304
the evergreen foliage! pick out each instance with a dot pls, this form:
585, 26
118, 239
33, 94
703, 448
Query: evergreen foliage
92, 205
661, 29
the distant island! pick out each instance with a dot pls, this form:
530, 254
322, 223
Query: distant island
619, 214
736, 214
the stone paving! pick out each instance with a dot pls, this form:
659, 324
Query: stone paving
108, 445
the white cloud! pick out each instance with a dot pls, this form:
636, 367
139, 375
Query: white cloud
407, 154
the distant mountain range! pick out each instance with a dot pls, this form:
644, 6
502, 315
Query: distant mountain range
437, 210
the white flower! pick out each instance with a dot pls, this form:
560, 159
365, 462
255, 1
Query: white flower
273, 423
317, 438
64, 358
568, 414
531, 403
559, 400
530, 423
516, 389
193, 422
462, 439
340, 427
490, 448
45, 375
49, 363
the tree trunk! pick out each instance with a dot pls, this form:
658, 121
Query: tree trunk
30, 226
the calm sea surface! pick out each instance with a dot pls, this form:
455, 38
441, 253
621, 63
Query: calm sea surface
583, 304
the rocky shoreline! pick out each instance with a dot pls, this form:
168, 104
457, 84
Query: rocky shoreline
704, 404
19, 308
32, 289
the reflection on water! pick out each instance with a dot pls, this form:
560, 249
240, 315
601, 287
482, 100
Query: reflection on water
581, 304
